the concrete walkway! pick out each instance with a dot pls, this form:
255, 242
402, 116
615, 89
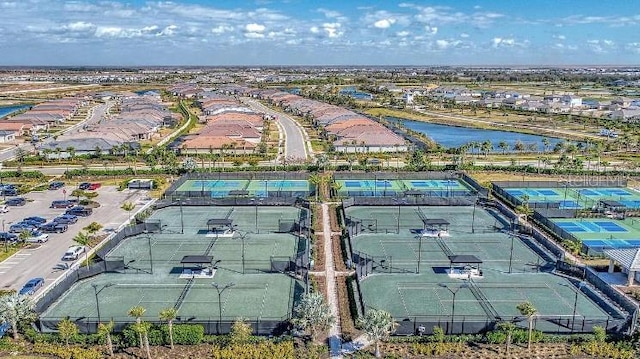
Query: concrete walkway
332, 292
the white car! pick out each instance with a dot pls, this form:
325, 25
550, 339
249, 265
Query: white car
73, 253
4, 208
38, 238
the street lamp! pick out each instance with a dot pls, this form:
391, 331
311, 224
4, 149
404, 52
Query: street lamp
575, 302
149, 242
419, 252
473, 216
97, 291
399, 202
255, 201
220, 289
453, 303
511, 252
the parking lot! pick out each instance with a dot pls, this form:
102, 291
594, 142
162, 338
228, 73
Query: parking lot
41, 260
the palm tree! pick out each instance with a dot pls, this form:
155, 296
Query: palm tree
169, 315
378, 325
83, 239
486, 147
545, 144
527, 309
504, 146
105, 329
240, 332
128, 206
72, 152
507, 328
313, 314
15, 308
315, 179
140, 327
67, 330
93, 228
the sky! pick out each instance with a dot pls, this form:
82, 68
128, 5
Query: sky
327, 32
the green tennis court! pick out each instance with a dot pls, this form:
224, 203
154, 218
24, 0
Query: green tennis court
218, 188
597, 234
412, 276
575, 198
155, 277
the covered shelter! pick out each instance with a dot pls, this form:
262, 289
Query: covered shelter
629, 260
435, 227
465, 264
219, 227
239, 193
199, 260
414, 193
197, 266
612, 205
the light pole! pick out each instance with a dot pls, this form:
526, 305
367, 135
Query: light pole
511, 252
149, 242
255, 203
419, 252
453, 302
399, 202
575, 302
473, 217
96, 292
220, 289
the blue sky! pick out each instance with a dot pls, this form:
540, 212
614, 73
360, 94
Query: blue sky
328, 32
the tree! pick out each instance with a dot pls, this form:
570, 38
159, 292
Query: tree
169, 315
72, 152
128, 206
240, 332
378, 325
92, 228
527, 309
140, 327
504, 146
83, 239
315, 179
24, 235
313, 314
507, 328
67, 330
15, 308
105, 329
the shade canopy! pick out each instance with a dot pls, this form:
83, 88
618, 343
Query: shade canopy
196, 259
464, 259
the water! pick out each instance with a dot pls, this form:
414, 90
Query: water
152, 92
6, 110
454, 137
351, 91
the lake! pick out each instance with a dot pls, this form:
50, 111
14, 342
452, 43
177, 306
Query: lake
6, 110
351, 91
453, 137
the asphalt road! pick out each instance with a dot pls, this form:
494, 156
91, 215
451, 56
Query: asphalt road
295, 140
41, 259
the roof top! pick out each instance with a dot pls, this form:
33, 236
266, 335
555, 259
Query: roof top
464, 259
629, 258
435, 221
196, 259
219, 222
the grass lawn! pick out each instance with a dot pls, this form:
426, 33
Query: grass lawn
12, 249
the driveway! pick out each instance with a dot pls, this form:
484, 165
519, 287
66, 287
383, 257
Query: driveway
41, 259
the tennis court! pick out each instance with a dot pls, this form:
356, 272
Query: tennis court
575, 198
218, 188
395, 187
410, 275
597, 234
244, 262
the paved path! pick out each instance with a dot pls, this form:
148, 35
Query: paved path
332, 292
296, 139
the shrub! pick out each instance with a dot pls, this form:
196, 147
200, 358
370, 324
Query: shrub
184, 334
66, 352
156, 336
266, 349
438, 334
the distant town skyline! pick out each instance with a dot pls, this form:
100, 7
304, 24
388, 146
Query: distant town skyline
297, 32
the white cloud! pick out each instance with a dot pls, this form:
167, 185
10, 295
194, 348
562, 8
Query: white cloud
384, 23
559, 37
80, 26
109, 31
464, 35
502, 42
168, 31
332, 29
314, 30
221, 29
254, 28
431, 30
633, 47
403, 33
254, 35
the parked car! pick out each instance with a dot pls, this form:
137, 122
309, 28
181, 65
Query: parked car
94, 186
37, 237
73, 253
56, 185
21, 227
32, 286
54, 227
31, 222
84, 185
66, 219
79, 211
36, 219
8, 192
8, 237
4, 208
18, 201
61, 204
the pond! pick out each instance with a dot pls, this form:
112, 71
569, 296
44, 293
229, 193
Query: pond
6, 110
452, 137
351, 91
